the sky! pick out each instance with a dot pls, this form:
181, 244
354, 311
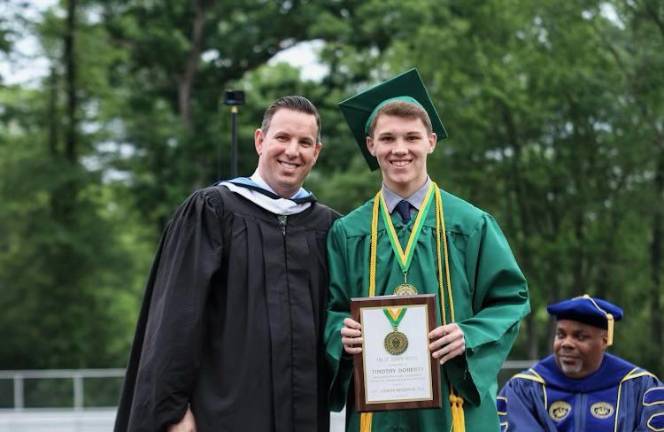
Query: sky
27, 66
303, 56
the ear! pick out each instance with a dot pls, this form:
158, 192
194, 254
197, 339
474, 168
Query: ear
258, 141
370, 146
605, 340
317, 149
433, 139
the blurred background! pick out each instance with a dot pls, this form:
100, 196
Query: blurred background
111, 113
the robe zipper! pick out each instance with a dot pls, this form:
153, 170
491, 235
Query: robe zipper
283, 219
282, 222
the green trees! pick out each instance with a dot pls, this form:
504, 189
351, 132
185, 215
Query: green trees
61, 253
554, 112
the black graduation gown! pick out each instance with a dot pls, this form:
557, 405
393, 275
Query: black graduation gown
232, 321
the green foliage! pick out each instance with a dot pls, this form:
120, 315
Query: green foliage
56, 274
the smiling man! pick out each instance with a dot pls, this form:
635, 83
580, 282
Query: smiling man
229, 335
478, 314
581, 387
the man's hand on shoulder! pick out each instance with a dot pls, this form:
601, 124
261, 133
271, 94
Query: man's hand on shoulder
187, 424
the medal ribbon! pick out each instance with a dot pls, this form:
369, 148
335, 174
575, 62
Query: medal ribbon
405, 257
394, 316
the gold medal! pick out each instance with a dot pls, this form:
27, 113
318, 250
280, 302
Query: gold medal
396, 343
405, 289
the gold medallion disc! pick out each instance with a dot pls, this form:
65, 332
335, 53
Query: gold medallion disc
396, 343
405, 289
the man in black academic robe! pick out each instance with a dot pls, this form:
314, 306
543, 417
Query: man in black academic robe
229, 334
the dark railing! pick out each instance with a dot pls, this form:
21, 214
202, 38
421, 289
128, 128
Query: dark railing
60, 388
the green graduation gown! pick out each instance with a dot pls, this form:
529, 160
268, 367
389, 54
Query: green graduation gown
490, 298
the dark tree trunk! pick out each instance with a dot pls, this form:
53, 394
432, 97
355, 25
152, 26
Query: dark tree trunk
655, 296
63, 198
52, 113
579, 156
578, 278
71, 139
67, 262
186, 80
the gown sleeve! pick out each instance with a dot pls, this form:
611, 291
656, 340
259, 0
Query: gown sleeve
167, 345
652, 405
339, 363
500, 301
520, 406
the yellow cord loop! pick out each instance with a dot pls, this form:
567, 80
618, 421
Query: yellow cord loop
367, 417
374, 246
456, 402
439, 224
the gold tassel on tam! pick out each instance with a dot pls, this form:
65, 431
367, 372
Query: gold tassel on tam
609, 329
365, 422
458, 420
609, 320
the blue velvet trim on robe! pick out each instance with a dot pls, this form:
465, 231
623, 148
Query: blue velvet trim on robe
656, 422
612, 370
654, 396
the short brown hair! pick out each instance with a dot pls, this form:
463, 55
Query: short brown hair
294, 103
404, 110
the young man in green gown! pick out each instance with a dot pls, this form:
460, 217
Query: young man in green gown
470, 268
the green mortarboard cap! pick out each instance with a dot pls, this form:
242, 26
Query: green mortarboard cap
408, 86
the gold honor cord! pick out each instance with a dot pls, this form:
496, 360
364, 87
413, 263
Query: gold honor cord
367, 417
456, 402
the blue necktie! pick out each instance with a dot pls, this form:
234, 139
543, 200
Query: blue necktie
403, 207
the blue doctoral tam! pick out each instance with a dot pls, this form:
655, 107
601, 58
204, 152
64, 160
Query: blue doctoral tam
588, 310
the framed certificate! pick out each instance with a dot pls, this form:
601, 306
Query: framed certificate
395, 369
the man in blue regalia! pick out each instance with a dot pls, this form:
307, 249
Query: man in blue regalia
581, 387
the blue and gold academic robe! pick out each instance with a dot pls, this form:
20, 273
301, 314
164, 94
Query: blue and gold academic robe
618, 397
